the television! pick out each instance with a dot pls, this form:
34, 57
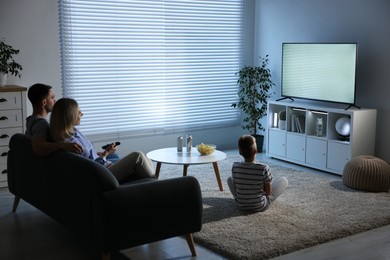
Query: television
319, 71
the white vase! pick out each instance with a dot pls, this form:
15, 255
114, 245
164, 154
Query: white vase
3, 79
282, 124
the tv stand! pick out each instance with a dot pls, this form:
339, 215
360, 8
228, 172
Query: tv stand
306, 142
353, 105
283, 98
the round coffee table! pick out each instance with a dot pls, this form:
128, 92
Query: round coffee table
172, 156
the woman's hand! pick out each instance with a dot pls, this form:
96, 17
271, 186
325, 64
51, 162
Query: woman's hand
109, 150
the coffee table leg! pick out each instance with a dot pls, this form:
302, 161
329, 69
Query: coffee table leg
185, 167
158, 167
216, 170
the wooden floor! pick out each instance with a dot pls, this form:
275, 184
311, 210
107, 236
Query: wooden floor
30, 234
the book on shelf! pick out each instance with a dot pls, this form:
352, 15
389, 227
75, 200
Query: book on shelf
297, 123
301, 123
293, 123
299, 130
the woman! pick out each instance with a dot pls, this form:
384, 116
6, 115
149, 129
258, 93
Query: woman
66, 115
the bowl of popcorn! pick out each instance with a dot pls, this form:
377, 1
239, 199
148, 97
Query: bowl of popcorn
205, 149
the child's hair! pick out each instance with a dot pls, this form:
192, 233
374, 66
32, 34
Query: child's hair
247, 146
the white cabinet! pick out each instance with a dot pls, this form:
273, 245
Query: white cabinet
310, 137
278, 139
295, 147
316, 152
339, 155
12, 120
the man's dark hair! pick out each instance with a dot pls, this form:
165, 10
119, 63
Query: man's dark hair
37, 92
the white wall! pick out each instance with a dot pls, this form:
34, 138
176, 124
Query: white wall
363, 21
32, 27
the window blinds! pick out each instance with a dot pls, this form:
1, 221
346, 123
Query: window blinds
151, 67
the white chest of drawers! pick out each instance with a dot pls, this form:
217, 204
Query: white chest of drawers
13, 113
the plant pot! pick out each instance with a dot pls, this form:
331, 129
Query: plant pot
259, 142
282, 124
3, 79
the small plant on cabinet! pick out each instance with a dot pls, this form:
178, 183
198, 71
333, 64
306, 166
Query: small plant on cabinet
282, 119
7, 63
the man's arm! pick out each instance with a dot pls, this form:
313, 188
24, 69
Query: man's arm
41, 147
38, 130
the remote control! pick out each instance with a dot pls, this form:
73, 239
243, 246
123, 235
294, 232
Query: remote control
104, 147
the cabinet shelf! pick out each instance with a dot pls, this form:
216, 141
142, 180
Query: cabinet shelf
311, 139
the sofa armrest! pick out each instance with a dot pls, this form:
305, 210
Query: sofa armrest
150, 211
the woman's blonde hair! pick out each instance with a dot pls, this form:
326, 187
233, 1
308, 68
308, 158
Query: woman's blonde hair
63, 119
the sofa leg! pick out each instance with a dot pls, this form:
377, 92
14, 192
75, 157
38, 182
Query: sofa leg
16, 203
106, 256
191, 244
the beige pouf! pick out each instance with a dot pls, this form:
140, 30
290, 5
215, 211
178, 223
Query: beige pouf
367, 173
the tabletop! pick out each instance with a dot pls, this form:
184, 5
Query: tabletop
172, 156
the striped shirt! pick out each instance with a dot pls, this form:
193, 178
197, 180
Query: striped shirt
249, 180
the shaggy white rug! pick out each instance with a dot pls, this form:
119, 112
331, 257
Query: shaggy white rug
314, 209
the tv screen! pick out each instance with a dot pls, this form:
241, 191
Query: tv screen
319, 71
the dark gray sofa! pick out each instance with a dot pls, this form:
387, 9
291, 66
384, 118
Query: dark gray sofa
86, 198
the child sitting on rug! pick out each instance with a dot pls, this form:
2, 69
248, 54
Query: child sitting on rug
251, 181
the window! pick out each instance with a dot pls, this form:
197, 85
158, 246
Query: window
151, 67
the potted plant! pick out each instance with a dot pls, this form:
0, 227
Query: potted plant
282, 119
254, 91
7, 64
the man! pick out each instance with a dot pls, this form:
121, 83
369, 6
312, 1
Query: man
42, 99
